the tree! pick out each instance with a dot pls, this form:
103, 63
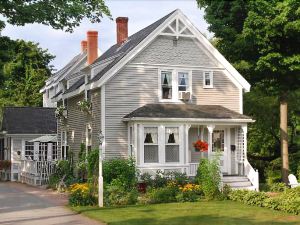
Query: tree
59, 14
261, 38
24, 67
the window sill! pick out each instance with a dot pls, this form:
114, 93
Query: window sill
208, 87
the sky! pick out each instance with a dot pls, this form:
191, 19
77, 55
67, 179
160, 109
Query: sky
141, 13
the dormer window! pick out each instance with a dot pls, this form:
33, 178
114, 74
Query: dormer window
166, 84
207, 79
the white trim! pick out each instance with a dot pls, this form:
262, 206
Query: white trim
241, 101
190, 120
211, 79
103, 119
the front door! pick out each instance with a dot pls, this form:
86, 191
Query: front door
219, 148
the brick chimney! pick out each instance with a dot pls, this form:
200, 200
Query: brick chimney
83, 46
122, 29
92, 46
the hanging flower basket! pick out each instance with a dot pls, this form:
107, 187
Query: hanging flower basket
85, 106
200, 146
61, 112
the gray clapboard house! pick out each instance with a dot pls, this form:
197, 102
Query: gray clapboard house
152, 95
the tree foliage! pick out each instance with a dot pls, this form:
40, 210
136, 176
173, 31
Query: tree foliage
24, 67
59, 14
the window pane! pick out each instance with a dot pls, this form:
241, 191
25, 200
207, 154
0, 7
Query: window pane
218, 140
150, 135
151, 154
183, 81
172, 135
29, 150
172, 153
166, 83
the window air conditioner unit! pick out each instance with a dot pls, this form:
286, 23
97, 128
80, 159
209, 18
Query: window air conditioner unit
184, 95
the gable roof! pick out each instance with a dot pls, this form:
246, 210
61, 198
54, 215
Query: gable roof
29, 120
185, 111
59, 74
120, 55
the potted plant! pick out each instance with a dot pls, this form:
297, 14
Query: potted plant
85, 106
200, 146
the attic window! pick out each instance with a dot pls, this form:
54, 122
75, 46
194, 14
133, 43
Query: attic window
208, 79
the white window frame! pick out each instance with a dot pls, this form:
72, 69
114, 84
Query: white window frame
211, 77
175, 91
29, 144
143, 145
161, 144
54, 151
179, 143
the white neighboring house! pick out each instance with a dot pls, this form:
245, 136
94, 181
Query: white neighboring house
153, 94
28, 140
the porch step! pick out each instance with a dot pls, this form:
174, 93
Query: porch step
238, 182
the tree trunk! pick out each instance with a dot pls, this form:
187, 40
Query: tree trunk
284, 140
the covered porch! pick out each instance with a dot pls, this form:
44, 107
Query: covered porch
161, 137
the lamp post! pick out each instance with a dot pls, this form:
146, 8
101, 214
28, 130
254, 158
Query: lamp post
100, 179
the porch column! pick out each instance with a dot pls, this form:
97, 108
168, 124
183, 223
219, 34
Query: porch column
36, 147
245, 130
210, 132
187, 152
49, 151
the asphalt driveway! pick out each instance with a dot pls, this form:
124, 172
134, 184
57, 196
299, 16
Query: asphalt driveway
24, 205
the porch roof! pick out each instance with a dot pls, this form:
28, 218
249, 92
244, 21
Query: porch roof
45, 139
185, 111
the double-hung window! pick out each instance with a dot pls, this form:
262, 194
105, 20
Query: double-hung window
208, 79
166, 85
43, 151
151, 145
29, 150
54, 151
183, 81
64, 145
172, 144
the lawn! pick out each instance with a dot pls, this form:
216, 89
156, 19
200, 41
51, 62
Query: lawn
206, 213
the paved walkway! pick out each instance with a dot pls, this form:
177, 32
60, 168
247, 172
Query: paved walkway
21, 204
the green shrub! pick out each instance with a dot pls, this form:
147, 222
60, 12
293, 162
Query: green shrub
237, 195
121, 169
288, 201
208, 176
180, 178
189, 193
278, 187
255, 198
117, 195
53, 181
163, 195
226, 191
80, 195
273, 172
63, 171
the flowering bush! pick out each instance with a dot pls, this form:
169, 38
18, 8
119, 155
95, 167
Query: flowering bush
80, 194
200, 146
189, 193
85, 106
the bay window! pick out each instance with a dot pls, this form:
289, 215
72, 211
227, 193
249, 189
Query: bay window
151, 145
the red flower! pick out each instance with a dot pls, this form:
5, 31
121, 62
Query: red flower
201, 146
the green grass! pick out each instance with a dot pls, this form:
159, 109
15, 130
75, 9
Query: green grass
206, 213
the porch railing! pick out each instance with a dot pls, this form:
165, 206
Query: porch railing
251, 174
193, 167
36, 172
